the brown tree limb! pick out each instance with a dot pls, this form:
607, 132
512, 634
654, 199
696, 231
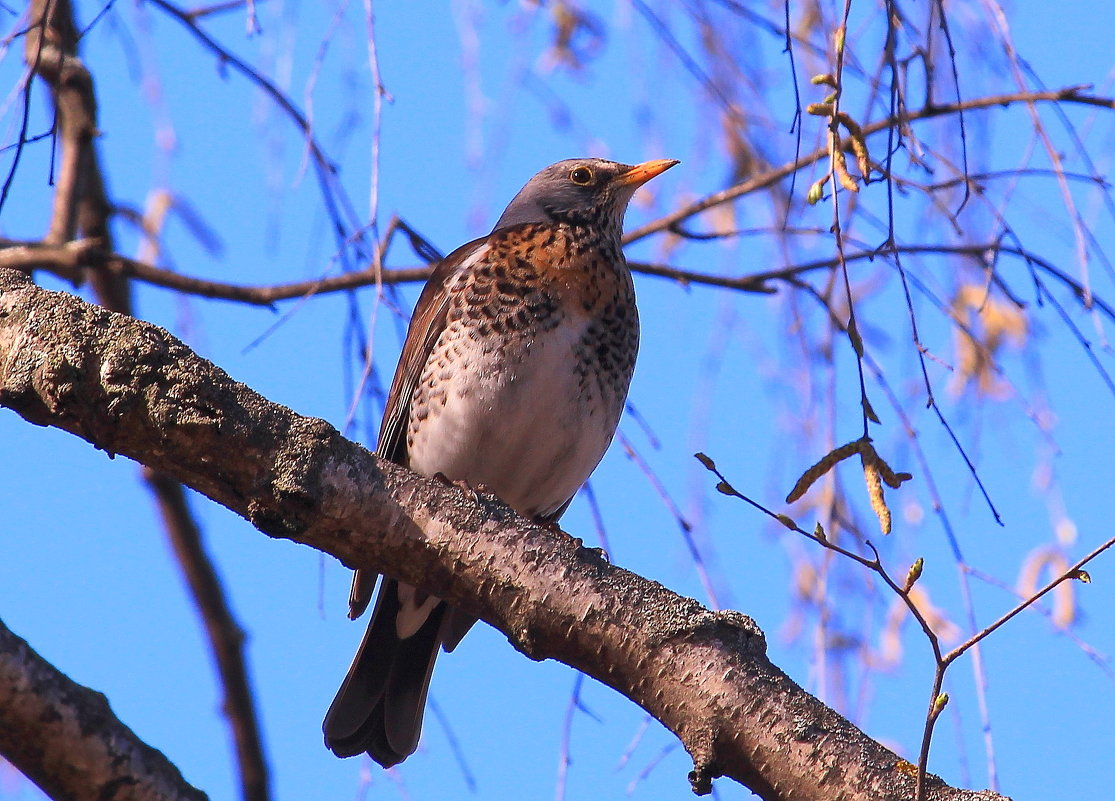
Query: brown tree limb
65, 739
129, 387
80, 204
50, 49
67, 261
82, 207
64, 260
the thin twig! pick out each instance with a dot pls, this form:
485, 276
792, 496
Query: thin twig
1070, 94
336, 200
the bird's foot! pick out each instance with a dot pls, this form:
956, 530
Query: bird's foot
464, 486
599, 553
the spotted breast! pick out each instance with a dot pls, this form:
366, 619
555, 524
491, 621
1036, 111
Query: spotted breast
526, 383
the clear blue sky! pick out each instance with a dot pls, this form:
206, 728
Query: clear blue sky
85, 574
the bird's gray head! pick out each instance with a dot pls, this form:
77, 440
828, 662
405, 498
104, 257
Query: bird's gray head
581, 192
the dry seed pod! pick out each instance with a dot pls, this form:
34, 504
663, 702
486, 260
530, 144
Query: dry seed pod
840, 167
863, 159
828, 461
875, 494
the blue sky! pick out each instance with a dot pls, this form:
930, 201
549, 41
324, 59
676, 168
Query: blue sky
85, 574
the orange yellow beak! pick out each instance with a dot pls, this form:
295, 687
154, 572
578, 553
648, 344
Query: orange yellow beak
641, 173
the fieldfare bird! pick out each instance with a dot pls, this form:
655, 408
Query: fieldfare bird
513, 376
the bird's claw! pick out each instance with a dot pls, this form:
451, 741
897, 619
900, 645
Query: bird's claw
599, 553
464, 486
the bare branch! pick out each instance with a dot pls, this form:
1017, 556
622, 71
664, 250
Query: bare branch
66, 260
82, 206
226, 638
65, 738
1070, 94
50, 50
129, 387
1068, 574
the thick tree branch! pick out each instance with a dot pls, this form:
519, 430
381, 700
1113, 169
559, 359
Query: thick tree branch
65, 738
129, 387
82, 207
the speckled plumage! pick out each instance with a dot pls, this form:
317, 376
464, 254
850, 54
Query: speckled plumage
525, 384
513, 376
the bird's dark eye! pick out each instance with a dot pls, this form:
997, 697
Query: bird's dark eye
582, 176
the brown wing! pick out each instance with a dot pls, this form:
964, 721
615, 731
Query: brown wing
426, 324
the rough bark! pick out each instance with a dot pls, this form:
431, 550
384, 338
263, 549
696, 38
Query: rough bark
81, 208
65, 738
130, 388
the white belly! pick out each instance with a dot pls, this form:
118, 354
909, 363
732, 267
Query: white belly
527, 432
